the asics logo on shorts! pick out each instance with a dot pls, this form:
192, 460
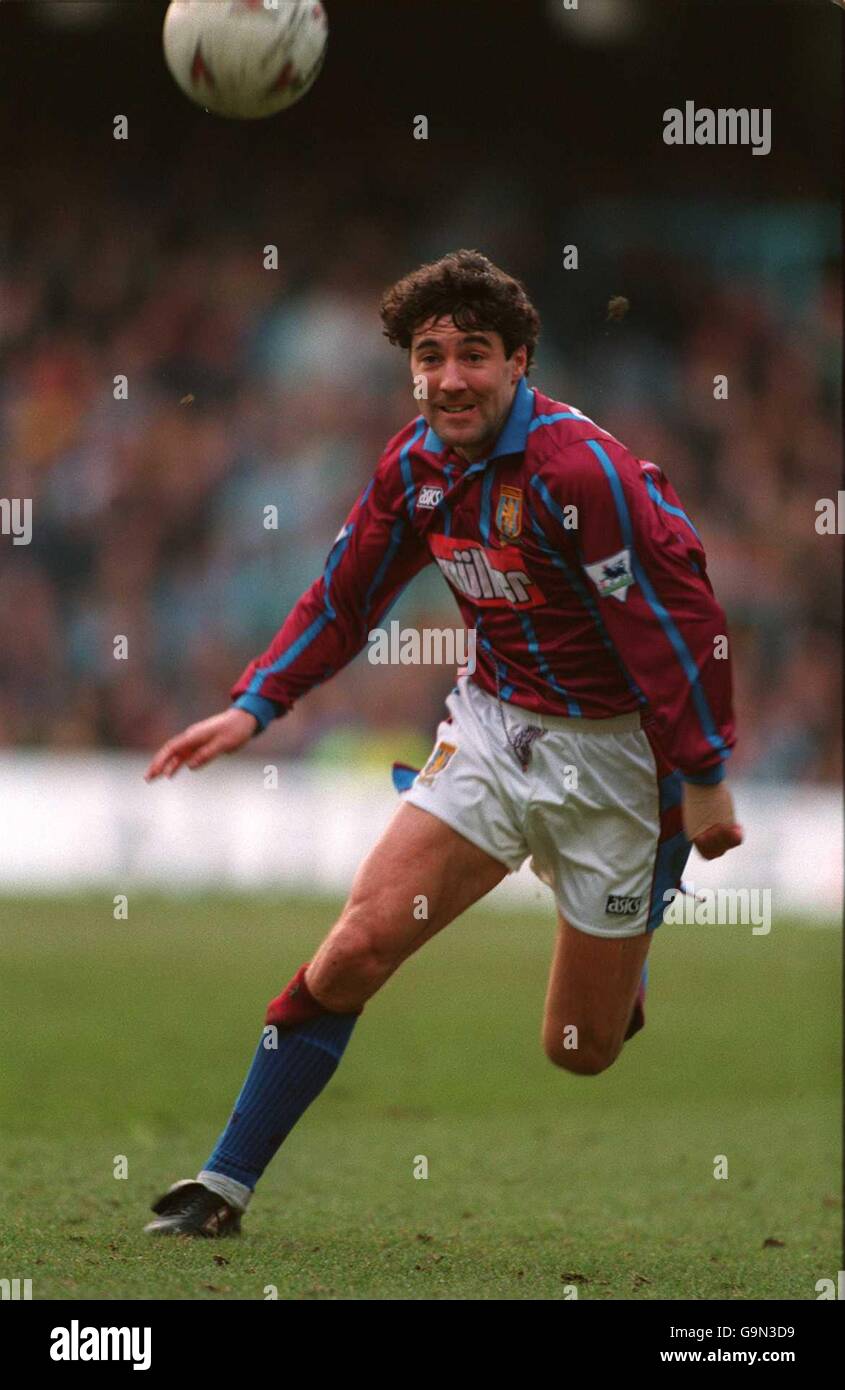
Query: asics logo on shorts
620, 906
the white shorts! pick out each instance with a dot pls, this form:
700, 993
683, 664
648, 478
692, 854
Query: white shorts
597, 808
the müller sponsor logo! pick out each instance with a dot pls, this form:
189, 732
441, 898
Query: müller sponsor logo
82, 1343
492, 578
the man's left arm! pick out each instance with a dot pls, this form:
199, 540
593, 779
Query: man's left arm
642, 570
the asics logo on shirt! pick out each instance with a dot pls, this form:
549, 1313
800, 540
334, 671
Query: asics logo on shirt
430, 497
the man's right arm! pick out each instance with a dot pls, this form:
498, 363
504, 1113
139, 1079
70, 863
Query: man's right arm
375, 555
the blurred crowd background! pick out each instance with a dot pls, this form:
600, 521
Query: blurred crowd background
251, 388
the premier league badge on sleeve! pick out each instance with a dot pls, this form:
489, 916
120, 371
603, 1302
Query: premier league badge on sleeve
613, 576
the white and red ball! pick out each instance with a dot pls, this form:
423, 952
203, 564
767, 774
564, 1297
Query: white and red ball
245, 58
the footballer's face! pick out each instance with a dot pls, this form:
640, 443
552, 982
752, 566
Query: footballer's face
470, 383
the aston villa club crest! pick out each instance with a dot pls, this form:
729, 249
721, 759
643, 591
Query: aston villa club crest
441, 756
509, 512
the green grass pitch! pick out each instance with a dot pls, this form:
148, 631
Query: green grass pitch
132, 1037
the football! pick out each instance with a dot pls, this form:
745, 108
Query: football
245, 58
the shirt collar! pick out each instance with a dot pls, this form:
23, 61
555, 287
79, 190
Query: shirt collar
514, 434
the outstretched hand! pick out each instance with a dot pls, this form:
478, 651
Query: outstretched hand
201, 743
710, 820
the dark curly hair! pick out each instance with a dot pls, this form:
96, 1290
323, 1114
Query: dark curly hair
472, 291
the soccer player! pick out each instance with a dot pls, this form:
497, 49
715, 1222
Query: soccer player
592, 734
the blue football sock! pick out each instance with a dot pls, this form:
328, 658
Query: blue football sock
280, 1085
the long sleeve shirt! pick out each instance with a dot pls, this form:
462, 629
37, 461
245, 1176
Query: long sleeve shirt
573, 560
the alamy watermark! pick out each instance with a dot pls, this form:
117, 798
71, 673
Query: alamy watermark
717, 907
725, 126
429, 646
15, 1288
83, 1343
16, 519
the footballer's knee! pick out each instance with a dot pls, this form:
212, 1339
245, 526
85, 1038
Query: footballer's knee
353, 953
581, 1056
353, 962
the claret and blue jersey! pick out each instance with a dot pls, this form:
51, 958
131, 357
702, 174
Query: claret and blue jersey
574, 561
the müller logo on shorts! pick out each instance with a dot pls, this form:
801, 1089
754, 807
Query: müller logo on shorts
620, 905
491, 578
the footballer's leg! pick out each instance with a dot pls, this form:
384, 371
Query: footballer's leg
418, 878
613, 849
592, 998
